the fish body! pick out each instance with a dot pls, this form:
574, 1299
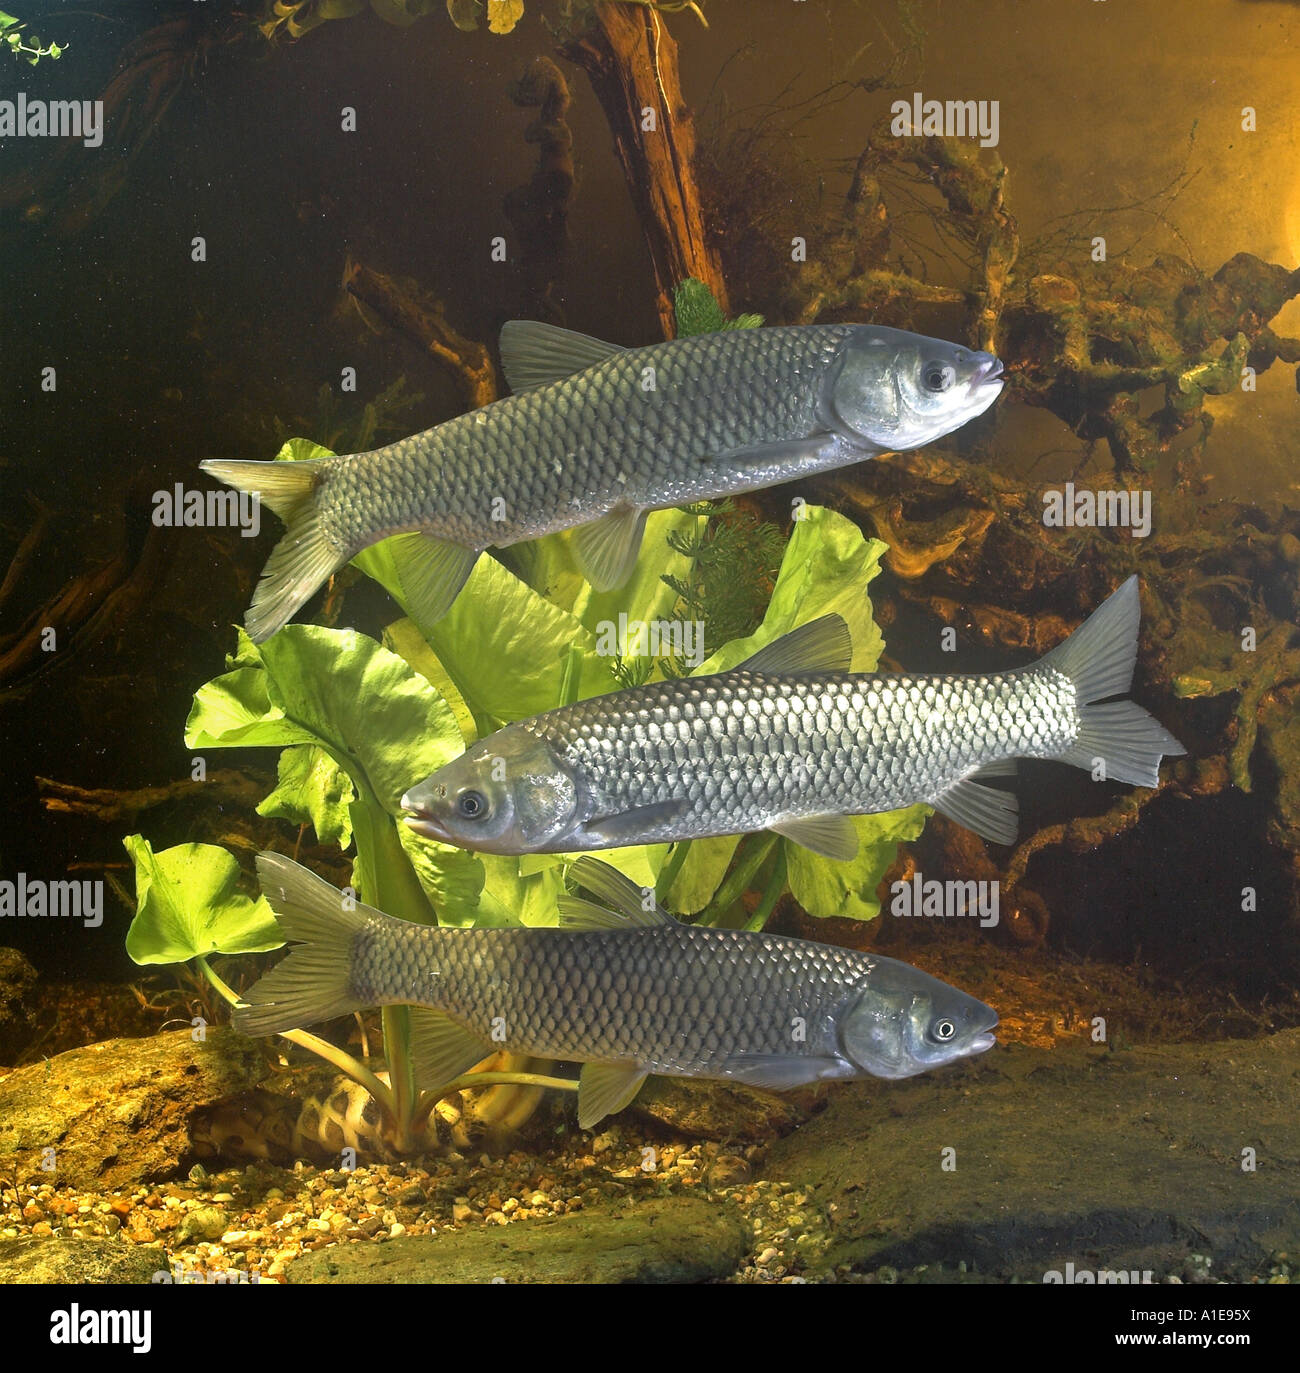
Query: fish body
621, 987
791, 741
596, 436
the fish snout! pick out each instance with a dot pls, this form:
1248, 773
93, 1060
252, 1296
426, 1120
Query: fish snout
989, 371
423, 821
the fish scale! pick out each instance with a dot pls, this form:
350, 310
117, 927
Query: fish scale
741, 749
649, 995
611, 440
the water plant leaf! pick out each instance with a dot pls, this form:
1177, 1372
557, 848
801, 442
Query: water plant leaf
312, 789
464, 14
697, 311
848, 890
503, 15
188, 905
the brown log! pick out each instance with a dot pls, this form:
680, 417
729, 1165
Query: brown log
423, 319
631, 61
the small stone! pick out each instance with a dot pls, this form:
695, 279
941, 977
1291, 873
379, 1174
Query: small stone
42, 1229
397, 1229
462, 1211
767, 1256
203, 1223
497, 1218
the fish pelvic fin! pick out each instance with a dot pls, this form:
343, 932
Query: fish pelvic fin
1099, 658
604, 1089
304, 557
314, 982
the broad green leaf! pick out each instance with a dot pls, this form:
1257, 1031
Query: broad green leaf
701, 874
823, 887
312, 789
7, 21
375, 716
504, 646
403, 637
464, 14
187, 904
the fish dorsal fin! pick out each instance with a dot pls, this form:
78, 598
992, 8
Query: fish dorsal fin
991, 813
619, 896
833, 836
607, 548
534, 354
431, 572
604, 1089
441, 1050
822, 645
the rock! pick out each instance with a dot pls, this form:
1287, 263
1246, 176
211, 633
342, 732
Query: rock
677, 1240
722, 1111
17, 978
1125, 1161
44, 1261
203, 1223
727, 1170
117, 1113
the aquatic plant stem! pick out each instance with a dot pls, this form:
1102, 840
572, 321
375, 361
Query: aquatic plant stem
771, 892
428, 1100
668, 874
752, 856
340, 1058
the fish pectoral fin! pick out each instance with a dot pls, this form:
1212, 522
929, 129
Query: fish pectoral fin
633, 905
607, 548
992, 814
431, 572
534, 354
1003, 767
832, 836
627, 827
779, 1072
604, 1089
441, 1049
822, 645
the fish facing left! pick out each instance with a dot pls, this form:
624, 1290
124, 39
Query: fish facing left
620, 987
597, 435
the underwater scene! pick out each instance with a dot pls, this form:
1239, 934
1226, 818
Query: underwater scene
650, 641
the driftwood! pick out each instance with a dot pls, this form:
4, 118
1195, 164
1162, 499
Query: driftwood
90, 603
630, 59
423, 319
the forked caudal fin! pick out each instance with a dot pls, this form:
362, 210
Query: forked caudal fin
1099, 658
312, 983
304, 557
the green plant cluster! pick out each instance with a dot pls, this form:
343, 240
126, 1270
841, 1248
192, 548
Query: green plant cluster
30, 52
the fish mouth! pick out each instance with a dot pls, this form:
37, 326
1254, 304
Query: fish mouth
982, 1042
989, 372
425, 823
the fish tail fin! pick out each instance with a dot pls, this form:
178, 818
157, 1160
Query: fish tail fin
304, 557
1099, 658
315, 981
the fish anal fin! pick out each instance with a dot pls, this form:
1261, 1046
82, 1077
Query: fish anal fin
604, 1089
442, 1049
431, 572
832, 836
607, 548
991, 813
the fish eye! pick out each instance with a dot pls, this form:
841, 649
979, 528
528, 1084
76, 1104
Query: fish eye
471, 804
938, 376
944, 1030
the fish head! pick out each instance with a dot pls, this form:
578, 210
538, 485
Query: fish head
896, 390
906, 1022
509, 793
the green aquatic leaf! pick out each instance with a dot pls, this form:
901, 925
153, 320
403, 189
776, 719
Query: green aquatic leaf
7, 21
824, 888
188, 905
312, 789
376, 718
299, 450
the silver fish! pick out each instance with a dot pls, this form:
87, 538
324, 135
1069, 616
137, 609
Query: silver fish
791, 741
621, 987
597, 435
